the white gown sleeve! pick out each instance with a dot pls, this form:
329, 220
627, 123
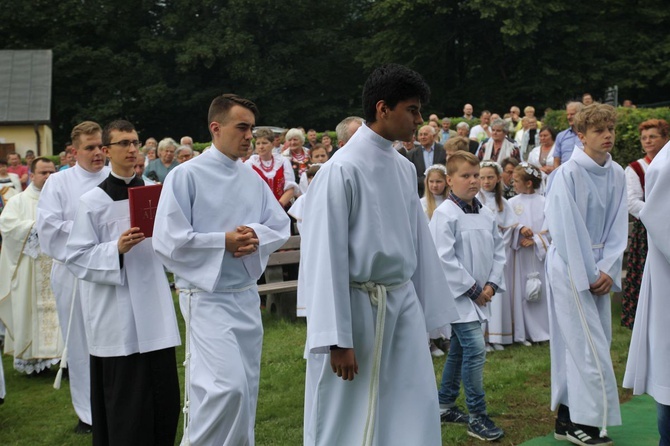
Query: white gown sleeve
195, 255
90, 259
656, 212
324, 261
52, 226
615, 240
635, 193
569, 233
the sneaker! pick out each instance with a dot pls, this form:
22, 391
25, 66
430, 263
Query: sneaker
483, 428
435, 351
561, 429
525, 343
453, 415
489, 348
585, 435
498, 347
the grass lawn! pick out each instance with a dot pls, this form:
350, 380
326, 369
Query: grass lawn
516, 383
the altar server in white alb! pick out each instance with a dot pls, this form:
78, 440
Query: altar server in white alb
372, 283
216, 225
27, 303
586, 214
56, 209
649, 355
128, 310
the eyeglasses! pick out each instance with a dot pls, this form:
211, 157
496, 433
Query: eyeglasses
125, 143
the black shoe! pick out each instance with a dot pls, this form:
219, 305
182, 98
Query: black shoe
483, 428
2, 401
561, 429
586, 435
453, 415
82, 428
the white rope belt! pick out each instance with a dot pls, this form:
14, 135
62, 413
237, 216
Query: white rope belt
187, 352
377, 295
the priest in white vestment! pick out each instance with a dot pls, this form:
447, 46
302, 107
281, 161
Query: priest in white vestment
648, 367
586, 214
372, 284
216, 225
128, 310
27, 303
56, 209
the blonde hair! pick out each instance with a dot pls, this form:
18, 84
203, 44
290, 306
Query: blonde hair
456, 143
84, 128
430, 200
595, 116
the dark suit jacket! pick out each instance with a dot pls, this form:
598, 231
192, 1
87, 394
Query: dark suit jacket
474, 145
416, 157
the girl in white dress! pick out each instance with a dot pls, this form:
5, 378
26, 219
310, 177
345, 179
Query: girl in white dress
530, 242
499, 326
435, 190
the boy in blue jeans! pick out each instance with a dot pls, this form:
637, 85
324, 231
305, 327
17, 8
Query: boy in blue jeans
473, 258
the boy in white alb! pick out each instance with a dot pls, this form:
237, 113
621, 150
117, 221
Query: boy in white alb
586, 215
472, 256
128, 310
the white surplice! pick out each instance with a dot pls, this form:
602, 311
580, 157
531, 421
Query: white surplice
127, 307
471, 251
27, 303
499, 329
202, 200
363, 222
649, 355
587, 218
56, 210
531, 319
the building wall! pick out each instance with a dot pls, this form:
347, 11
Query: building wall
24, 138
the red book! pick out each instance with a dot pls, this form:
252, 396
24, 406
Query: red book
143, 202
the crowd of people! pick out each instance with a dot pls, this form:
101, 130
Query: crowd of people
412, 233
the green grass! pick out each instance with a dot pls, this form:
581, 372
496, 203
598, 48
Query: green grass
516, 381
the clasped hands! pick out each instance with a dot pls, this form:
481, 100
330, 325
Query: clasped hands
527, 241
241, 242
485, 296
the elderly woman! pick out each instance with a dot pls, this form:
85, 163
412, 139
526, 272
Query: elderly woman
158, 169
296, 153
653, 136
497, 147
183, 153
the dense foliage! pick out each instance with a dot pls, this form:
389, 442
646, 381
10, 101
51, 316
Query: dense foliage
159, 63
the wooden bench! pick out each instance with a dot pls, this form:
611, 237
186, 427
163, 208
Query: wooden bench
280, 289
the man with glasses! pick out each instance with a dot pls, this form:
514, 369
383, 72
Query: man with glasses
130, 319
217, 244
56, 210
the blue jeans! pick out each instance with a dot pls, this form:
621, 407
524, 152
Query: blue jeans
663, 424
467, 354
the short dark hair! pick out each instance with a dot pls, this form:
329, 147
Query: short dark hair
3, 162
120, 125
392, 83
513, 161
218, 109
44, 159
551, 130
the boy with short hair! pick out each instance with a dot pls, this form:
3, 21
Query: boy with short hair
129, 315
472, 255
587, 217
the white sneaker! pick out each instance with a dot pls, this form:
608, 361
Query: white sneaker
489, 349
435, 351
498, 347
525, 342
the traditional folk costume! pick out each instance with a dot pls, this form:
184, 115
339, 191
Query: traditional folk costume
526, 271
56, 210
371, 281
635, 185
130, 322
202, 200
499, 328
508, 149
586, 216
277, 173
649, 355
299, 161
27, 303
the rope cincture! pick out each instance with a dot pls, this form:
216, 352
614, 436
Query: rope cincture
377, 294
63, 358
582, 318
187, 366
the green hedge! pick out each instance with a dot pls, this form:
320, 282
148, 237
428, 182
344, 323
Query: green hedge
627, 147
